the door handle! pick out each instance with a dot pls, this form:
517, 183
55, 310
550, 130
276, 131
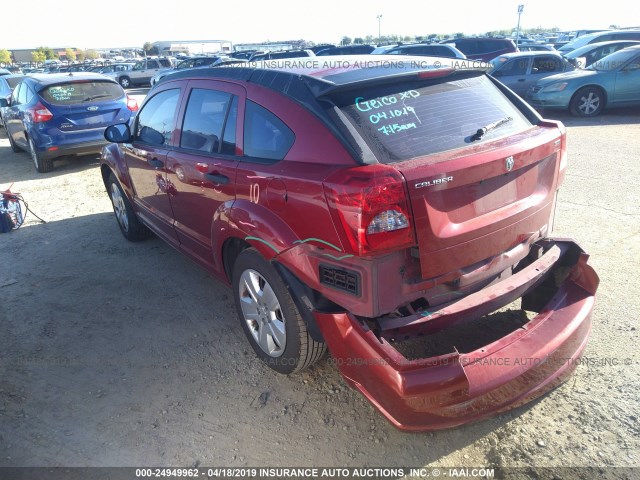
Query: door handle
217, 178
521, 79
155, 163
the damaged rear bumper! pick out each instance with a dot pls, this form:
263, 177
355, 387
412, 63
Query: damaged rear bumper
447, 390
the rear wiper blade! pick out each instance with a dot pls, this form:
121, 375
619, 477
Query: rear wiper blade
492, 126
88, 99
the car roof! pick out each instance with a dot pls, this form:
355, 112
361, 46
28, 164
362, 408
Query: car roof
13, 75
55, 78
536, 53
325, 74
491, 39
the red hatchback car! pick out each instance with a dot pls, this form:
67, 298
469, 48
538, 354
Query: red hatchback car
377, 208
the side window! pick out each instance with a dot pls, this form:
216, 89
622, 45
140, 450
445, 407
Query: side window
545, 64
139, 66
265, 135
444, 52
204, 119
633, 65
15, 96
629, 36
517, 66
155, 121
229, 136
469, 47
153, 64
604, 38
420, 51
30, 93
23, 94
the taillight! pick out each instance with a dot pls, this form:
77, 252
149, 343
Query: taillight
372, 207
563, 154
562, 167
132, 104
40, 113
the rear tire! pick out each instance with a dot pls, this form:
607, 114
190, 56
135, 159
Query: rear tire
43, 165
587, 102
269, 316
125, 82
14, 147
130, 226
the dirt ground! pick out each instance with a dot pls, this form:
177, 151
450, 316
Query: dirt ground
121, 354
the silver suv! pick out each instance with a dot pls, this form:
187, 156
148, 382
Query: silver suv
143, 70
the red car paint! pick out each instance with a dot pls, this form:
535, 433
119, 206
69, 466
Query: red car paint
477, 218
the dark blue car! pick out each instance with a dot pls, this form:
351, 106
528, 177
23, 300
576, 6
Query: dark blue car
51, 116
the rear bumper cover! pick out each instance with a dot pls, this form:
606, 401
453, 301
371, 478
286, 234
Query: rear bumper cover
85, 148
449, 390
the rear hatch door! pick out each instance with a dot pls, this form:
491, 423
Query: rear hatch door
81, 105
481, 175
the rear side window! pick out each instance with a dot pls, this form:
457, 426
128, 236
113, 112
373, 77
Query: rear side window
265, 135
154, 123
204, 120
407, 120
79, 92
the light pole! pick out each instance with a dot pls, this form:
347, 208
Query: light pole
379, 17
520, 9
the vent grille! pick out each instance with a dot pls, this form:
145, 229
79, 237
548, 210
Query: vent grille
341, 279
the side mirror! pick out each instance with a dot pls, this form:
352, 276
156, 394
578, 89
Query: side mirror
4, 102
118, 133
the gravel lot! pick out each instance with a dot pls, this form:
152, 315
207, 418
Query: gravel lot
113, 353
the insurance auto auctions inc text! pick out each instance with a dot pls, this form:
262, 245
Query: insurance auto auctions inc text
370, 472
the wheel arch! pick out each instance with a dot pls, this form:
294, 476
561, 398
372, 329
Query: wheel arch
592, 85
112, 162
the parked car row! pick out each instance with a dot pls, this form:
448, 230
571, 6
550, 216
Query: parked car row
551, 81
197, 62
49, 126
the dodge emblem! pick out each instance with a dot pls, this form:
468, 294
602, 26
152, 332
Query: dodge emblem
508, 163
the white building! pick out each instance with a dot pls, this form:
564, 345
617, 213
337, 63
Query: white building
193, 47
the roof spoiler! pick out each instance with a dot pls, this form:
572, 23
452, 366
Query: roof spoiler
381, 77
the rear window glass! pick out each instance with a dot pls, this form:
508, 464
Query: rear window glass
407, 120
80, 92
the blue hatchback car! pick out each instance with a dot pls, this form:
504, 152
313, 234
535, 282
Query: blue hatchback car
51, 116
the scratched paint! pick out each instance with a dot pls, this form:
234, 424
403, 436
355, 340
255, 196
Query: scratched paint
306, 240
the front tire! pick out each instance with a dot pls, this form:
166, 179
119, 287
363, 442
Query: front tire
125, 82
587, 102
43, 165
269, 316
132, 228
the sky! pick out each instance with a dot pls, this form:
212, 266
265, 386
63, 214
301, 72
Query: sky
99, 24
